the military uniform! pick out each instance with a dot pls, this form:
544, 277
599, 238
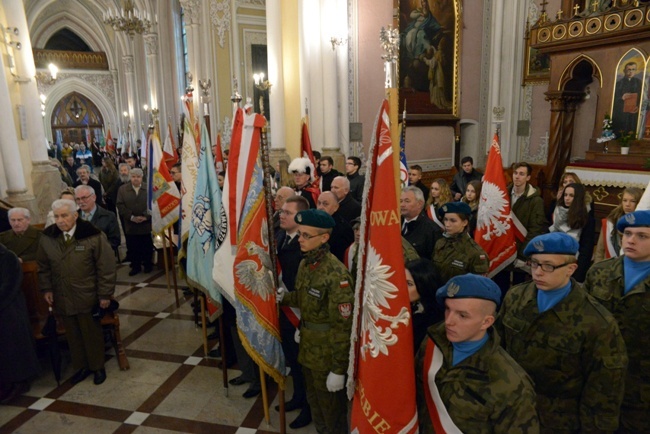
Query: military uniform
575, 354
486, 393
459, 254
605, 281
24, 246
325, 295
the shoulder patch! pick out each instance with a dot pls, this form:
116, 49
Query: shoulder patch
345, 309
344, 284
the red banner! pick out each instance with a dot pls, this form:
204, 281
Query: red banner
384, 338
305, 144
495, 231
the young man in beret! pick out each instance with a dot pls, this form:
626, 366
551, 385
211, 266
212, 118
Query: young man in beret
568, 343
464, 378
325, 295
622, 286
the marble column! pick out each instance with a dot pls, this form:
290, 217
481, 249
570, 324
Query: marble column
134, 109
192, 17
151, 51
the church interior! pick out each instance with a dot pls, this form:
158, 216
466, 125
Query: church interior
550, 79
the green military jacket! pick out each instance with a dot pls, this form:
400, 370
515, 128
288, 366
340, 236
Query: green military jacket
529, 209
605, 281
575, 354
325, 295
24, 246
486, 393
456, 255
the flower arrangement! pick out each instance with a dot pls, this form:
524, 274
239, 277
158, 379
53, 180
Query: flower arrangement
625, 138
608, 133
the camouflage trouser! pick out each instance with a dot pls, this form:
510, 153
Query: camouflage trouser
328, 410
633, 420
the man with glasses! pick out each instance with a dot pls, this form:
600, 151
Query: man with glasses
83, 173
621, 285
352, 166
102, 218
325, 295
567, 342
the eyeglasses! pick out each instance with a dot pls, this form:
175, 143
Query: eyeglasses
547, 268
306, 236
83, 198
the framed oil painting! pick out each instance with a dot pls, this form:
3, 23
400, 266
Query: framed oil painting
429, 60
537, 66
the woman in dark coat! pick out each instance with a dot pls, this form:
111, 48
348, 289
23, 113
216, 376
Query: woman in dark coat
18, 361
422, 281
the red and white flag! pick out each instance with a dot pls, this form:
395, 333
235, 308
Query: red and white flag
382, 337
305, 143
165, 197
440, 418
169, 149
495, 230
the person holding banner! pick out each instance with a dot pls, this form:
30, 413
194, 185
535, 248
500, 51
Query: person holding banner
466, 382
324, 293
568, 343
303, 177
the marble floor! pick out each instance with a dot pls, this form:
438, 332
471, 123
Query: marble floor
170, 386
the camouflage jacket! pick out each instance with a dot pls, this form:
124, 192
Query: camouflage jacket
575, 354
458, 255
486, 393
605, 281
325, 295
529, 209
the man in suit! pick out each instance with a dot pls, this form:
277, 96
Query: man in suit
349, 207
22, 239
420, 231
103, 219
289, 256
342, 234
132, 206
84, 179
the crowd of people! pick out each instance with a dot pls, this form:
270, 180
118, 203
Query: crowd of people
555, 342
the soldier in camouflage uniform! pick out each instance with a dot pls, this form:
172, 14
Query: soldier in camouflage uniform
566, 341
456, 252
325, 295
622, 285
481, 387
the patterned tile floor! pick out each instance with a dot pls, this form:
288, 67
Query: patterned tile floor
170, 387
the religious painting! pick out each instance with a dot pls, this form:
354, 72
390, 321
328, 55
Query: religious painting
537, 66
429, 60
628, 89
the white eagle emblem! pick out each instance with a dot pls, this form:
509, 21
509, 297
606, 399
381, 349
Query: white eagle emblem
539, 246
379, 290
629, 218
491, 210
257, 280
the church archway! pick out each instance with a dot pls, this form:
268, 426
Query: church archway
76, 119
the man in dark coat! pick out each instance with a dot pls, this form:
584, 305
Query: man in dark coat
327, 173
342, 234
84, 179
23, 238
103, 219
132, 206
464, 177
349, 207
76, 274
18, 361
420, 231
415, 179
352, 166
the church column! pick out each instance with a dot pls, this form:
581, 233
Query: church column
133, 109
192, 16
151, 51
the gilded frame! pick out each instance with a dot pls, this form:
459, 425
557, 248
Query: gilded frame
537, 66
429, 60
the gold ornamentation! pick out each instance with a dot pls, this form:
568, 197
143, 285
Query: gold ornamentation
600, 193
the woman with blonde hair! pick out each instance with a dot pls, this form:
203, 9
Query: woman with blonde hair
609, 240
472, 198
440, 194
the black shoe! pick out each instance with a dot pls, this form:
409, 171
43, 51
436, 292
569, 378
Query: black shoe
134, 271
291, 405
303, 419
215, 354
187, 291
238, 381
15, 391
80, 376
252, 392
100, 376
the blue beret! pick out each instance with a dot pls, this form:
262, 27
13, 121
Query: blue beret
554, 243
633, 219
454, 208
470, 286
315, 218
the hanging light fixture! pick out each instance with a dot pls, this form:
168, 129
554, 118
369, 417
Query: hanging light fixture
129, 20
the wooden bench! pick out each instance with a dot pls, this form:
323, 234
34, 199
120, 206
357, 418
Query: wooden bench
37, 309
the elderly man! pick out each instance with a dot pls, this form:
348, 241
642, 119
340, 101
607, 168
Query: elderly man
349, 208
342, 234
84, 179
420, 231
22, 239
567, 342
103, 219
281, 196
132, 206
622, 286
324, 293
476, 381
304, 176
76, 273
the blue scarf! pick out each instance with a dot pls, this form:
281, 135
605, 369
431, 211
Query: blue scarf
634, 273
548, 299
463, 350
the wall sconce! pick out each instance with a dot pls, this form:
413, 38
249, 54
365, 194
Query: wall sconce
45, 78
8, 33
336, 42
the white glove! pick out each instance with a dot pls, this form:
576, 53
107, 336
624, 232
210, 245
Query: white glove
296, 336
279, 294
335, 382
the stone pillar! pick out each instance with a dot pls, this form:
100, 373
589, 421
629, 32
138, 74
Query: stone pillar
192, 16
151, 50
133, 109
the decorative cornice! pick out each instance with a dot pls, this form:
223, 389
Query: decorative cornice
191, 11
221, 17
